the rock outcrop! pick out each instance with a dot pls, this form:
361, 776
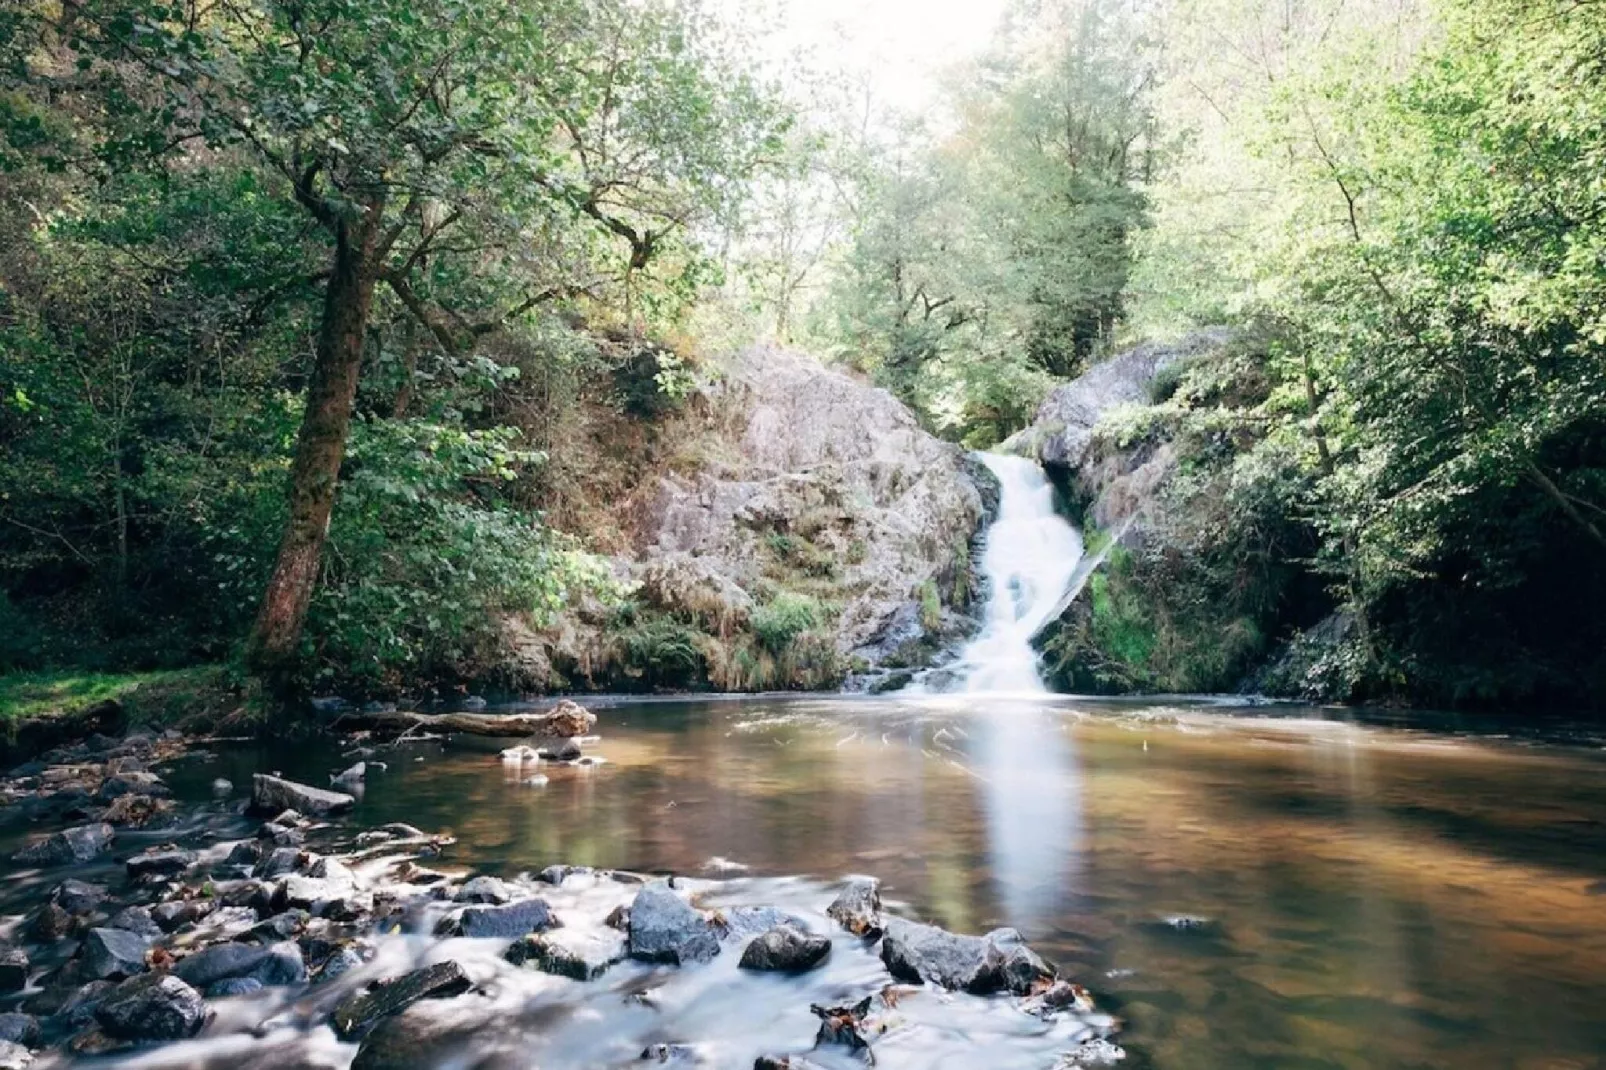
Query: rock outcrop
804, 482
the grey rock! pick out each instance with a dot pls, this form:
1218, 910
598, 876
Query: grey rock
244, 853
559, 874
420, 1036
76, 897
858, 907
176, 913
665, 928
152, 1008
221, 787
976, 964
581, 955
484, 890
13, 969
160, 862
276, 964
785, 949
281, 835
341, 962
359, 1013
567, 750
741, 922
281, 926
512, 920
18, 1028
130, 782
82, 843
233, 986
78, 1009
138, 921
280, 860
271, 794
1063, 428
112, 954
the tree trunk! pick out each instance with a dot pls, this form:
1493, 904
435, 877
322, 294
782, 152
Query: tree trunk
320, 446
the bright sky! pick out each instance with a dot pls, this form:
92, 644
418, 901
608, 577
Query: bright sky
902, 44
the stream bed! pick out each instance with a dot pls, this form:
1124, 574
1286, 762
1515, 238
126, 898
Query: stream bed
1241, 887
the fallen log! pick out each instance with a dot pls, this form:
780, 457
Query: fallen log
564, 720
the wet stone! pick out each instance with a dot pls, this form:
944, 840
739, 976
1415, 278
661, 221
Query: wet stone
665, 928
14, 1056
244, 853
271, 794
152, 1008
671, 1054
582, 956
341, 962
515, 919
233, 986
1091, 1054
842, 1025
110, 954
858, 908
130, 783
276, 964
49, 924
160, 862
785, 949
136, 920
484, 890
13, 969
740, 922
360, 1013
82, 843
280, 861
19, 1028
175, 913
75, 896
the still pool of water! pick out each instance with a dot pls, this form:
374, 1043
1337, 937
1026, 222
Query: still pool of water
1243, 887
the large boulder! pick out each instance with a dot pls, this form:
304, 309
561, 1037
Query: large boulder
666, 928
1062, 430
808, 478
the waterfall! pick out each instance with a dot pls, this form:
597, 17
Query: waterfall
1030, 557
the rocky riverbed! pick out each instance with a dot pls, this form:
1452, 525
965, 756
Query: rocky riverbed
291, 935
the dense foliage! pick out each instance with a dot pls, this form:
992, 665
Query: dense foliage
363, 248
1424, 429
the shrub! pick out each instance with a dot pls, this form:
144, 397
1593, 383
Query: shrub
785, 617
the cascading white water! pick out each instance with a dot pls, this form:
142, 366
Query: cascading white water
1031, 553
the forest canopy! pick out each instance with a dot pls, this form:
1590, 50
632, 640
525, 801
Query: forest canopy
311, 310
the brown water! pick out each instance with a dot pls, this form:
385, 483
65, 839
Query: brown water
1364, 896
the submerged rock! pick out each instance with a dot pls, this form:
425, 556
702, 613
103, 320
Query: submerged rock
1091, 1055
271, 794
82, 843
665, 928
577, 954
785, 949
360, 1013
843, 1025
740, 922
858, 907
674, 1054
152, 1008
76, 897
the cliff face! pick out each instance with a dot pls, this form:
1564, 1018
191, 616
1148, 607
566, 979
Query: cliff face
819, 532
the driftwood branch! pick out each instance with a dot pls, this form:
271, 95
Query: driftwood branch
565, 720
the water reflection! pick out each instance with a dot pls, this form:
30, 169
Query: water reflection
1031, 789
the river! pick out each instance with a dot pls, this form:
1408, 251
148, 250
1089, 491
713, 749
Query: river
1243, 886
